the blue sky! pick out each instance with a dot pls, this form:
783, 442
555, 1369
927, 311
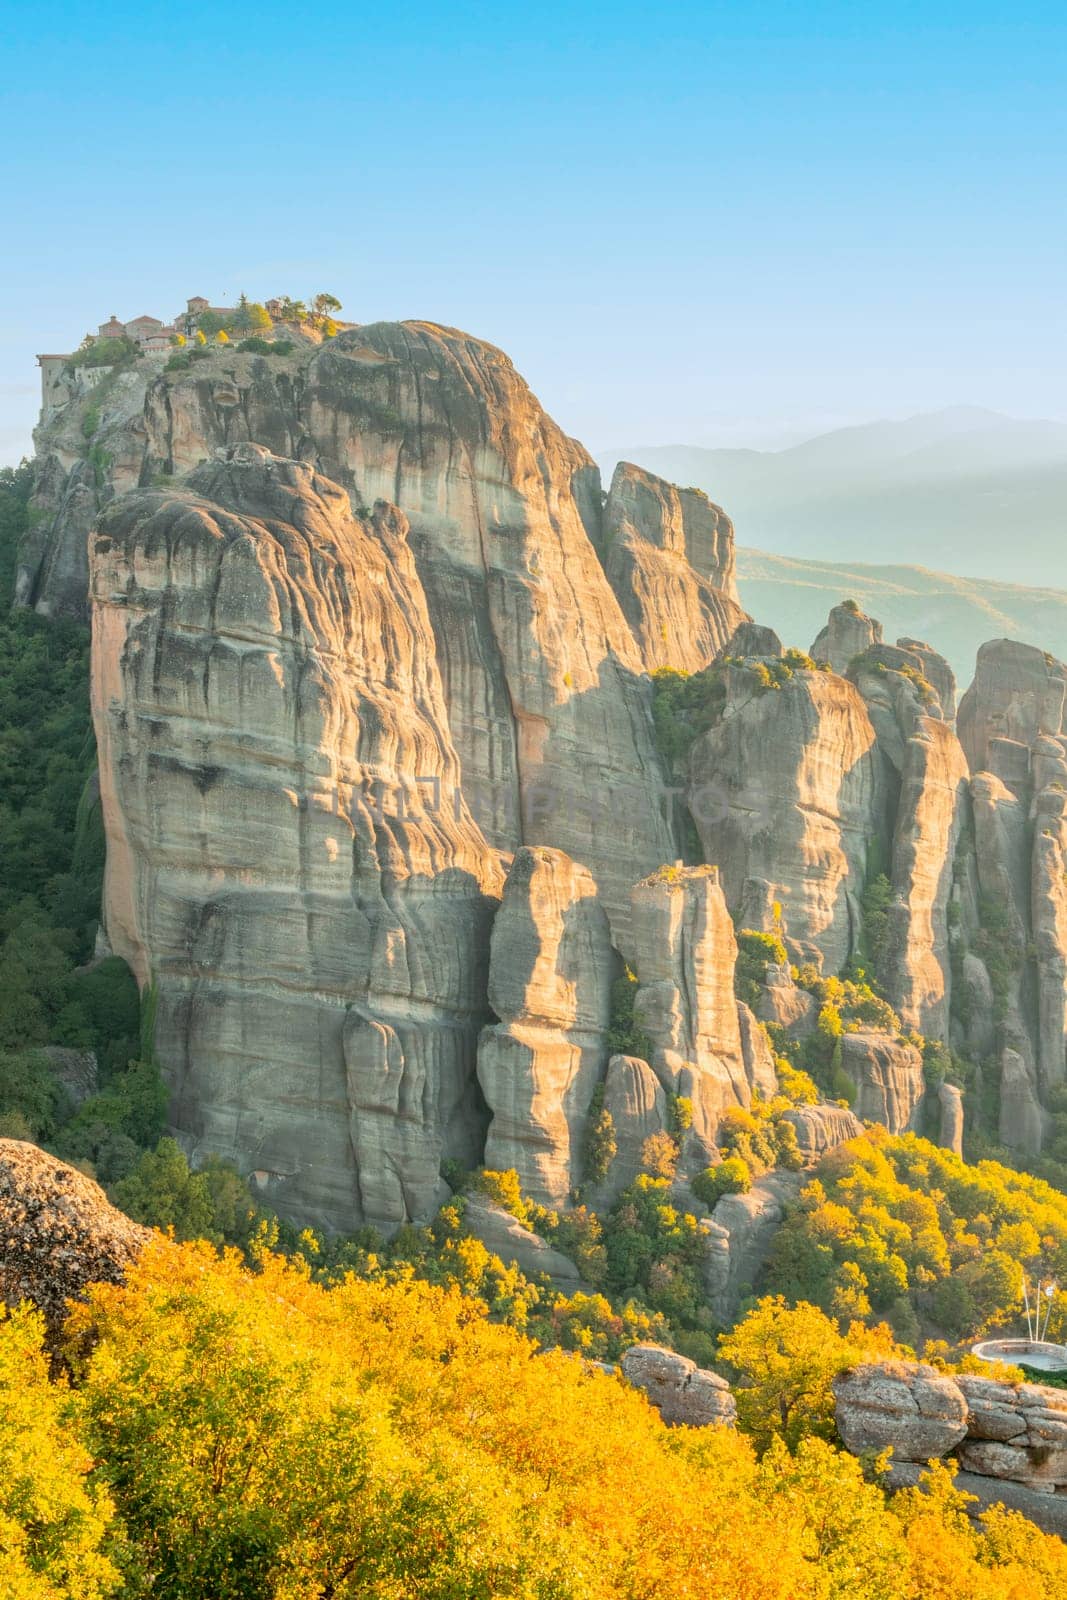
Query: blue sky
700, 223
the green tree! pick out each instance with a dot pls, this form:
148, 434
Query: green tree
162, 1192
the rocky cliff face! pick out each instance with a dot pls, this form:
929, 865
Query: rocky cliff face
669, 556
685, 1001
1018, 693
550, 975
541, 674
328, 731
926, 778
847, 634
786, 791
291, 865
1012, 727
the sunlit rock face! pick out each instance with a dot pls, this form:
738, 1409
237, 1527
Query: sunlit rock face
547, 701
291, 864
1012, 725
847, 634
550, 976
926, 779
1018, 694
786, 791
685, 1002
669, 556
542, 677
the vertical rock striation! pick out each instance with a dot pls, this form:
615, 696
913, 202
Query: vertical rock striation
686, 952
786, 789
550, 975
291, 864
669, 556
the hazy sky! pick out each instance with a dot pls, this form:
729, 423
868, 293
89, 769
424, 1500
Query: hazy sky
708, 223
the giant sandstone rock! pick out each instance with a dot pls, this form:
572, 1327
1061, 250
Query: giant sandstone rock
685, 1002
1018, 693
542, 676
847, 634
292, 866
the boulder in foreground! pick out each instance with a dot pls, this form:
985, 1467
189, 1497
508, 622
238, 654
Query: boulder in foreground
58, 1232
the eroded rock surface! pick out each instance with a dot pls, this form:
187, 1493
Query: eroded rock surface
58, 1233
888, 1075
542, 677
669, 556
739, 1235
787, 788
848, 633
550, 974
686, 1003
823, 1127
291, 862
683, 1393
908, 1406
1010, 1440
1018, 693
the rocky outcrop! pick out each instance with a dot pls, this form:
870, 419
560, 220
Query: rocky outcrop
634, 1099
823, 1127
782, 1001
926, 777
937, 672
787, 788
89, 450
1048, 900
888, 1076
911, 1408
551, 967
950, 1109
684, 1394
542, 678
753, 639
738, 1239
58, 1233
848, 633
1011, 722
931, 813
292, 867
1010, 1440
685, 1002
1018, 694
669, 556
504, 1236
757, 1054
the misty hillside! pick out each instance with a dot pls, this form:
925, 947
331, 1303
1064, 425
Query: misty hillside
954, 614
962, 488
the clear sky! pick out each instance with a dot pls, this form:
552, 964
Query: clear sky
696, 223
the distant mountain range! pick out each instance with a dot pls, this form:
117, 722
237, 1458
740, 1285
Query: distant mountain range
953, 614
964, 489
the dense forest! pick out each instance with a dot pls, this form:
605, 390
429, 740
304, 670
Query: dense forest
230, 1433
